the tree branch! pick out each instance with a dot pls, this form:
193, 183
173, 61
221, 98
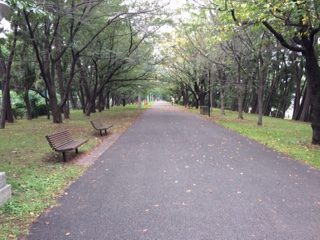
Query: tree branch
282, 41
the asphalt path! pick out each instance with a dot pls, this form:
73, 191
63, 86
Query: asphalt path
176, 175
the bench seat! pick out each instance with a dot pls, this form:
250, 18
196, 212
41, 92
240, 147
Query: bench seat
98, 125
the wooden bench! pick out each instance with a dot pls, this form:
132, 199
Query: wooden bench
98, 125
62, 142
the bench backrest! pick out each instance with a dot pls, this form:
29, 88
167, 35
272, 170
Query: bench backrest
96, 123
59, 139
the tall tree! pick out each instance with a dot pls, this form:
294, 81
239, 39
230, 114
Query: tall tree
67, 30
6, 111
295, 25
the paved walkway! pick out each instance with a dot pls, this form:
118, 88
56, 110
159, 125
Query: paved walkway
175, 175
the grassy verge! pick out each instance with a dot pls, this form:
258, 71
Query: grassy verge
37, 174
291, 137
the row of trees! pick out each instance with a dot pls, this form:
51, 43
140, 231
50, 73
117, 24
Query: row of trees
251, 56
247, 55
78, 51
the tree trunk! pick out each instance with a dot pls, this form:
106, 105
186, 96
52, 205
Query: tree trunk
27, 102
260, 98
74, 104
240, 93
297, 74
82, 98
304, 111
108, 99
4, 107
261, 72
254, 100
84, 90
245, 102
55, 110
221, 90
47, 104
2, 77
100, 102
222, 107
6, 110
270, 96
313, 73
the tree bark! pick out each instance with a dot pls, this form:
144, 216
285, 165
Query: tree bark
297, 74
6, 110
313, 73
27, 102
304, 111
239, 93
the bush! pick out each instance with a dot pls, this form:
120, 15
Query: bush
19, 110
39, 110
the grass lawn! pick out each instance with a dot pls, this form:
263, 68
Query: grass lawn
37, 174
291, 137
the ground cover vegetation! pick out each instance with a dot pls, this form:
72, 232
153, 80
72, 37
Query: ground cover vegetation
37, 174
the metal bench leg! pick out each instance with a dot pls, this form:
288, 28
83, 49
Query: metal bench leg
100, 132
64, 156
76, 150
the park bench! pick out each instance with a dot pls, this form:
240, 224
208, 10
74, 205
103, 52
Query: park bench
62, 142
98, 125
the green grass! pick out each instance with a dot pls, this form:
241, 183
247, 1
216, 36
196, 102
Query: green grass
291, 137
37, 174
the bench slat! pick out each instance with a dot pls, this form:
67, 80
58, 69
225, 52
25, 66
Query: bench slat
71, 145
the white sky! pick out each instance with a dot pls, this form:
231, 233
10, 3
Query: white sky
175, 3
